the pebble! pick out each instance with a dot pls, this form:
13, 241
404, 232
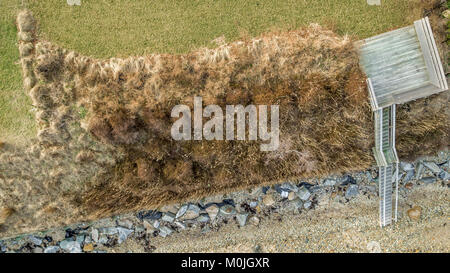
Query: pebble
94, 234
409, 185
254, 220
103, 239
406, 166
80, 239
203, 218
304, 194
37, 250
419, 171
180, 225
242, 219
108, 230
168, 217
351, 191
88, 247
148, 227
428, 180
444, 175
414, 213
125, 223
227, 210
268, 200
165, 231
288, 187
253, 204
285, 194
347, 179
409, 175
51, 249
307, 205
432, 167
35, 240
330, 182
70, 246
291, 196
181, 211
150, 215
192, 212
212, 211
123, 234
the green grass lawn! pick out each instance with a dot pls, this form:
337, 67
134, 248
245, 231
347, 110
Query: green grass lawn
16, 122
106, 28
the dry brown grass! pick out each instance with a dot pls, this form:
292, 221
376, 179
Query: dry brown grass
104, 144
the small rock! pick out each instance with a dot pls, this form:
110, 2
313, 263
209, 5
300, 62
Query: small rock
242, 219
253, 204
38, 250
180, 225
173, 208
414, 213
288, 187
212, 211
181, 211
229, 202
70, 246
347, 179
192, 212
409, 175
203, 218
88, 240
406, 166
432, 167
80, 239
108, 230
419, 171
351, 191
35, 240
254, 220
303, 194
329, 182
227, 210
284, 194
268, 200
126, 223
94, 234
307, 205
291, 196
428, 180
103, 239
51, 249
148, 227
88, 248
150, 215
409, 185
168, 217
123, 234
444, 175
165, 231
